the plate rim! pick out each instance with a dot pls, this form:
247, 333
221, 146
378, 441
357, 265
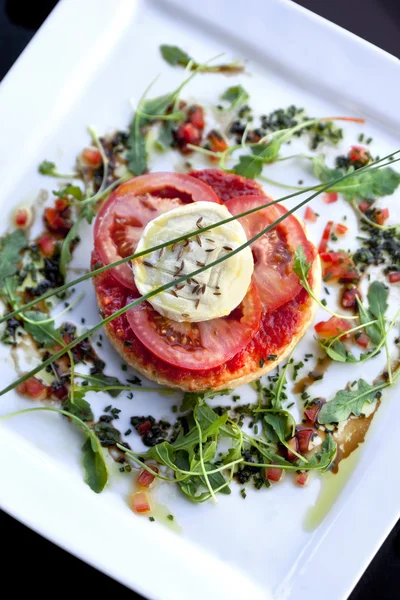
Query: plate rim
38, 463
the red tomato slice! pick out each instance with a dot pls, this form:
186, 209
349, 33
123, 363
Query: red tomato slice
273, 252
121, 220
198, 346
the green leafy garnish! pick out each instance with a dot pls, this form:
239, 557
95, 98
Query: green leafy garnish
349, 402
235, 95
175, 56
10, 254
42, 328
69, 190
47, 167
190, 399
248, 167
369, 184
79, 406
96, 474
94, 464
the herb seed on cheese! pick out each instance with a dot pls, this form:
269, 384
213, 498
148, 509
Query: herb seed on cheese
213, 293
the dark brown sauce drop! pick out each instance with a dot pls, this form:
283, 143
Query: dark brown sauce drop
352, 435
315, 375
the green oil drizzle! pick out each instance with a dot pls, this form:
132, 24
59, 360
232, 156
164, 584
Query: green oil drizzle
332, 484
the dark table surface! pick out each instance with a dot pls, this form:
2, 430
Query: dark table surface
31, 562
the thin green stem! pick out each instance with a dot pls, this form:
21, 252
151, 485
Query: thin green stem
202, 465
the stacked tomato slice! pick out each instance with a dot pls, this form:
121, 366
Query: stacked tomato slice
205, 345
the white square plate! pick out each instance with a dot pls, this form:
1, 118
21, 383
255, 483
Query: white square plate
87, 61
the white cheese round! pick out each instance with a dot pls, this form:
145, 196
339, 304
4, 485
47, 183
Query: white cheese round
211, 294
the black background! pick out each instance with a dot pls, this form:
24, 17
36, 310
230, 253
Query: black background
31, 563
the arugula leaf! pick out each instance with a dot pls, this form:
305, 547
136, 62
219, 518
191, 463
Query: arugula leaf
278, 426
137, 154
175, 57
216, 480
235, 95
367, 184
10, 253
251, 166
147, 112
337, 351
377, 299
327, 454
190, 399
94, 465
165, 136
107, 434
93, 459
248, 166
79, 407
373, 331
101, 381
300, 265
164, 453
70, 190
44, 333
349, 402
209, 451
47, 167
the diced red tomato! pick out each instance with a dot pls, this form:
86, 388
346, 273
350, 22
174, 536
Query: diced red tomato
302, 478
293, 446
349, 297
339, 265
310, 215
332, 257
364, 206
362, 339
312, 410
274, 474
188, 134
140, 502
394, 277
144, 428
359, 154
196, 116
47, 245
304, 436
217, 142
341, 229
23, 217
145, 479
332, 328
57, 217
381, 215
91, 157
330, 197
33, 388
323, 246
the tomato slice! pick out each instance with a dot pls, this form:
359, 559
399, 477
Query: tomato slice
121, 220
273, 252
198, 346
